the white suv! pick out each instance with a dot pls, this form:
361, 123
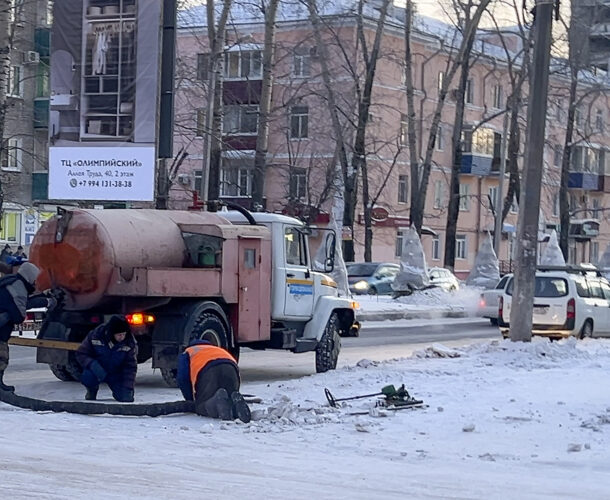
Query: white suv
567, 301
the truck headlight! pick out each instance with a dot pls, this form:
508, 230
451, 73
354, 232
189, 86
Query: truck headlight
361, 285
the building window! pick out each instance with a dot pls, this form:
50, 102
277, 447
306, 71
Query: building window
493, 195
298, 183
42, 80
11, 229
469, 92
404, 130
403, 188
460, 246
200, 125
594, 252
464, 197
595, 213
399, 241
436, 248
299, 122
235, 181
599, 120
498, 97
556, 205
559, 114
302, 62
16, 11
15, 85
49, 13
244, 65
13, 154
438, 194
578, 117
203, 67
240, 120
198, 174
514, 206
557, 155
439, 142
441, 80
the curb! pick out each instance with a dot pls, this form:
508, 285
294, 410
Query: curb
395, 315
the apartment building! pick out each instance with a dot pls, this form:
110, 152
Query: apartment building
302, 145
24, 164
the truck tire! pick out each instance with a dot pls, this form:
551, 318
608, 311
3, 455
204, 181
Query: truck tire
327, 351
207, 327
68, 373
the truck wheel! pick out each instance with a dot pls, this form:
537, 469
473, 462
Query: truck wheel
61, 372
208, 327
68, 373
327, 351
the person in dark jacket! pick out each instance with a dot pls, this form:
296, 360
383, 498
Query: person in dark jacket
209, 375
109, 354
6, 253
15, 298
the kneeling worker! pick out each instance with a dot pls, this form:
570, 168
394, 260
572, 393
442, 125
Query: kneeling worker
209, 375
109, 354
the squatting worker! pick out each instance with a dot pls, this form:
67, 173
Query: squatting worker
109, 354
209, 375
15, 299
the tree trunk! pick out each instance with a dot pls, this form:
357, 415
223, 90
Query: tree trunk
348, 196
453, 211
416, 217
359, 158
262, 138
564, 204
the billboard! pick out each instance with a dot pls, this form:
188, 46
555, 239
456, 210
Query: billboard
104, 99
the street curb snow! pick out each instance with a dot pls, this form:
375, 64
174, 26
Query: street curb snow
424, 314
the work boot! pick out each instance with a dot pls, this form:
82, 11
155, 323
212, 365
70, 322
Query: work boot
240, 407
91, 394
219, 405
3, 386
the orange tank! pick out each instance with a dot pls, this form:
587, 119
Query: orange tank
80, 250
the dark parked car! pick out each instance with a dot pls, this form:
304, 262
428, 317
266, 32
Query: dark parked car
371, 277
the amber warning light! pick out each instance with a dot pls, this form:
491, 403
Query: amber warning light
137, 319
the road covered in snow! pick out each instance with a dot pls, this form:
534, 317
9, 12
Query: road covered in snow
503, 420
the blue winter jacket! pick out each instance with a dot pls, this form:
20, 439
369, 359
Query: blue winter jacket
116, 358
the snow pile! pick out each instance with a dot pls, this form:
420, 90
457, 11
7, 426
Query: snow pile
552, 255
413, 269
465, 299
486, 270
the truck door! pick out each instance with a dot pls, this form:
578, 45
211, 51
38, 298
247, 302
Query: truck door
299, 284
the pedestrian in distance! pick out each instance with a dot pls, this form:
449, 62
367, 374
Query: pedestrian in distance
109, 355
16, 296
20, 254
209, 376
6, 253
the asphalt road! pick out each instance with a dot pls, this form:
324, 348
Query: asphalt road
378, 341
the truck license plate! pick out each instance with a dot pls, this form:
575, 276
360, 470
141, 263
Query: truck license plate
540, 310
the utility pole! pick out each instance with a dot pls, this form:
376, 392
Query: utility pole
499, 195
529, 210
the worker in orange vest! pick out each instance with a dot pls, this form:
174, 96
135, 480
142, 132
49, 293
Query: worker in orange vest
209, 375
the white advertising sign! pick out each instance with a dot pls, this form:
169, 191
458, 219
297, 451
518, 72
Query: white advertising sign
102, 173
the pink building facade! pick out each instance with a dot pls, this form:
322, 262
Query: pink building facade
303, 165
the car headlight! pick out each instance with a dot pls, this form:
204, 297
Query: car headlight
361, 285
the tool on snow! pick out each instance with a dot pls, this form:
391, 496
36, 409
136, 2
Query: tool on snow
393, 398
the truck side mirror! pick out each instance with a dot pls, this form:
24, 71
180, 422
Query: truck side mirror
329, 261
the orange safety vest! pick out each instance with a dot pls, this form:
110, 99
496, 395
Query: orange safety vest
201, 355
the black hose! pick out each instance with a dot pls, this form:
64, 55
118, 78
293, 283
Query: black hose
89, 408
246, 213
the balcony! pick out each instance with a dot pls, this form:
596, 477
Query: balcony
42, 38
477, 164
41, 113
586, 181
40, 186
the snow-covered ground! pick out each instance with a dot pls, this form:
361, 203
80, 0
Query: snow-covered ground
465, 300
504, 421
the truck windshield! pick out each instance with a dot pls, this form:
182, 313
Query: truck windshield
546, 286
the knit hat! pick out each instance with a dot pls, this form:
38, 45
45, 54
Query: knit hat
29, 272
117, 324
